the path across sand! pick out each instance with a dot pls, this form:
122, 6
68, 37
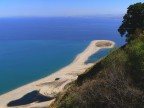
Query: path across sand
49, 86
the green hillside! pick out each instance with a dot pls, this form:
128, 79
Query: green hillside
117, 81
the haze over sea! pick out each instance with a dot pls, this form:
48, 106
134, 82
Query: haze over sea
32, 48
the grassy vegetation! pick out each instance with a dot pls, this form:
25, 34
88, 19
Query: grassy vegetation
117, 81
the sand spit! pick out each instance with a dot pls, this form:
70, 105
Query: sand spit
53, 84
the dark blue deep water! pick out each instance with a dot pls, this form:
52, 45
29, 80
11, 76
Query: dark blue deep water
32, 48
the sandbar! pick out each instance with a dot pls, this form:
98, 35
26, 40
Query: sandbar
56, 82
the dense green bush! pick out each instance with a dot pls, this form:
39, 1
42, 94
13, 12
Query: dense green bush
133, 22
135, 51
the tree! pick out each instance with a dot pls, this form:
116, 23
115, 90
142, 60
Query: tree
133, 22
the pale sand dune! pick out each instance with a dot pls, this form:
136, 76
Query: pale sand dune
49, 86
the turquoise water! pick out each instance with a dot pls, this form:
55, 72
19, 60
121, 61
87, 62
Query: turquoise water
95, 57
32, 48
28, 60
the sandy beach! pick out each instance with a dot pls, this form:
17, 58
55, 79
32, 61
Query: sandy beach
53, 84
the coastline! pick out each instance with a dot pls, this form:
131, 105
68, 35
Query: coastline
49, 86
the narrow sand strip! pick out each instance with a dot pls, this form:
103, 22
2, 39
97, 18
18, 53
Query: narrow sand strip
49, 86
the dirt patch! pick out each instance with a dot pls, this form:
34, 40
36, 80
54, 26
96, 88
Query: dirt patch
103, 44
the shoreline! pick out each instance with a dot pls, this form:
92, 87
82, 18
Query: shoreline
49, 86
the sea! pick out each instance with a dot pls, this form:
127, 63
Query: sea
32, 48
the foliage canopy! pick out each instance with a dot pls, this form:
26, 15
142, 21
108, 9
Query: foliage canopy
133, 22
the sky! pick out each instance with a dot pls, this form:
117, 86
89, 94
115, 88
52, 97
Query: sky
44, 8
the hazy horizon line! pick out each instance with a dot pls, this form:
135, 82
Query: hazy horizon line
98, 15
